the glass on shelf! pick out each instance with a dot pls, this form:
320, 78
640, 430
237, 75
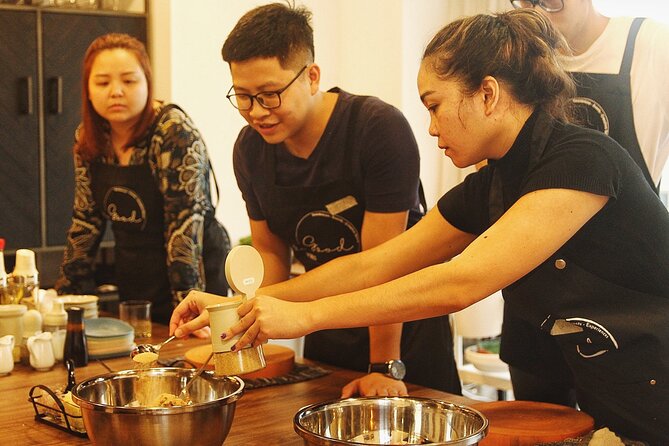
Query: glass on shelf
87, 4
112, 5
137, 6
65, 3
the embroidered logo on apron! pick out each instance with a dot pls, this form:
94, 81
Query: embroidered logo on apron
589, 113
596, 340
323, 236
123, 205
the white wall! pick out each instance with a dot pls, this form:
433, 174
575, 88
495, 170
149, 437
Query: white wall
363, 46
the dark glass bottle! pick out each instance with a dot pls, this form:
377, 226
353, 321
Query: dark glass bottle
75, 338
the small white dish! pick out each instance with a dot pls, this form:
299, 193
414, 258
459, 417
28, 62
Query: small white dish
485, 361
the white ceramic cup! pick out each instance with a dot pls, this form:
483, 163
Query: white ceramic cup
6, 354
41, 351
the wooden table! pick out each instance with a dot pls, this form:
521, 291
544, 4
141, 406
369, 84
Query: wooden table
263, 416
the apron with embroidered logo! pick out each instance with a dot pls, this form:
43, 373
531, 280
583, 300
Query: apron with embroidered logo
130, 199
616, 347
604, 103
322, 222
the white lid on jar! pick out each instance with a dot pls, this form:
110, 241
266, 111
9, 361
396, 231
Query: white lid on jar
25, 263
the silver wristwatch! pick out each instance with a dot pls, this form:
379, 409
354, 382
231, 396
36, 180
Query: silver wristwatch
394, 368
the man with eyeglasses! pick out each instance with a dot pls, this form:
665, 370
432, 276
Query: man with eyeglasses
618, 63
326, 174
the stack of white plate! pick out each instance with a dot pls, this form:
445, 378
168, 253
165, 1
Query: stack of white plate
87, 302
107, 337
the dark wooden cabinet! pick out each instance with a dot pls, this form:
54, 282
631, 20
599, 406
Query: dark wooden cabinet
65, 38
41, 52
19, 130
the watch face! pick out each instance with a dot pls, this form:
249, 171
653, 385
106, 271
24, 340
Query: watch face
397, 369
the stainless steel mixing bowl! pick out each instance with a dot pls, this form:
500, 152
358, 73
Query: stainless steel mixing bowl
104, 404
389, 420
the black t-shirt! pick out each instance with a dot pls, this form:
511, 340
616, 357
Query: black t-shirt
626, 243
384, 146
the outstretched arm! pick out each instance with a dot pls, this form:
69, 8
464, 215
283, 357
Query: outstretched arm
358, 271
421, 246
537, 225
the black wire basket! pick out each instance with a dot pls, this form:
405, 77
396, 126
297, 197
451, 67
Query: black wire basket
51, 410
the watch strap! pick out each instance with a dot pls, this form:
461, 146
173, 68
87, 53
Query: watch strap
378, 367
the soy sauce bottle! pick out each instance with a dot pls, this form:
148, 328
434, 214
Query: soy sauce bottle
75, 338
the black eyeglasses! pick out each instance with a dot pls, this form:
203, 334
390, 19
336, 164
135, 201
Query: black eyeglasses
266, 99
546, 5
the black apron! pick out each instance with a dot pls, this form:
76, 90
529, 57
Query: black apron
604, 103
323, 222
130, 199
620, 361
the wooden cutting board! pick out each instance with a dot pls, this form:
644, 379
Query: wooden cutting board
520, 423
279, 359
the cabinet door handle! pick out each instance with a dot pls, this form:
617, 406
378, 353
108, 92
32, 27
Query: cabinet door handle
55, 99
26, 95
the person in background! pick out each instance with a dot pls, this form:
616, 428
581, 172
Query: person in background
616, 63
326, 174
561, 220
143, 166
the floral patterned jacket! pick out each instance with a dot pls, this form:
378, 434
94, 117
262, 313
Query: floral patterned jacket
180, 165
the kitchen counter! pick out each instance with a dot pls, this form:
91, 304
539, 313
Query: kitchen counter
263, 416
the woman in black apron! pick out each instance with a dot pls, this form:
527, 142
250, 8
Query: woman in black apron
579, 243
603, 102
144, 168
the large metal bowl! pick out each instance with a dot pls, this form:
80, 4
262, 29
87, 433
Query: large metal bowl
389, 420
104, 404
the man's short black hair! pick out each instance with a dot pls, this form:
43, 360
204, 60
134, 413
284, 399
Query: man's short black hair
273, 30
